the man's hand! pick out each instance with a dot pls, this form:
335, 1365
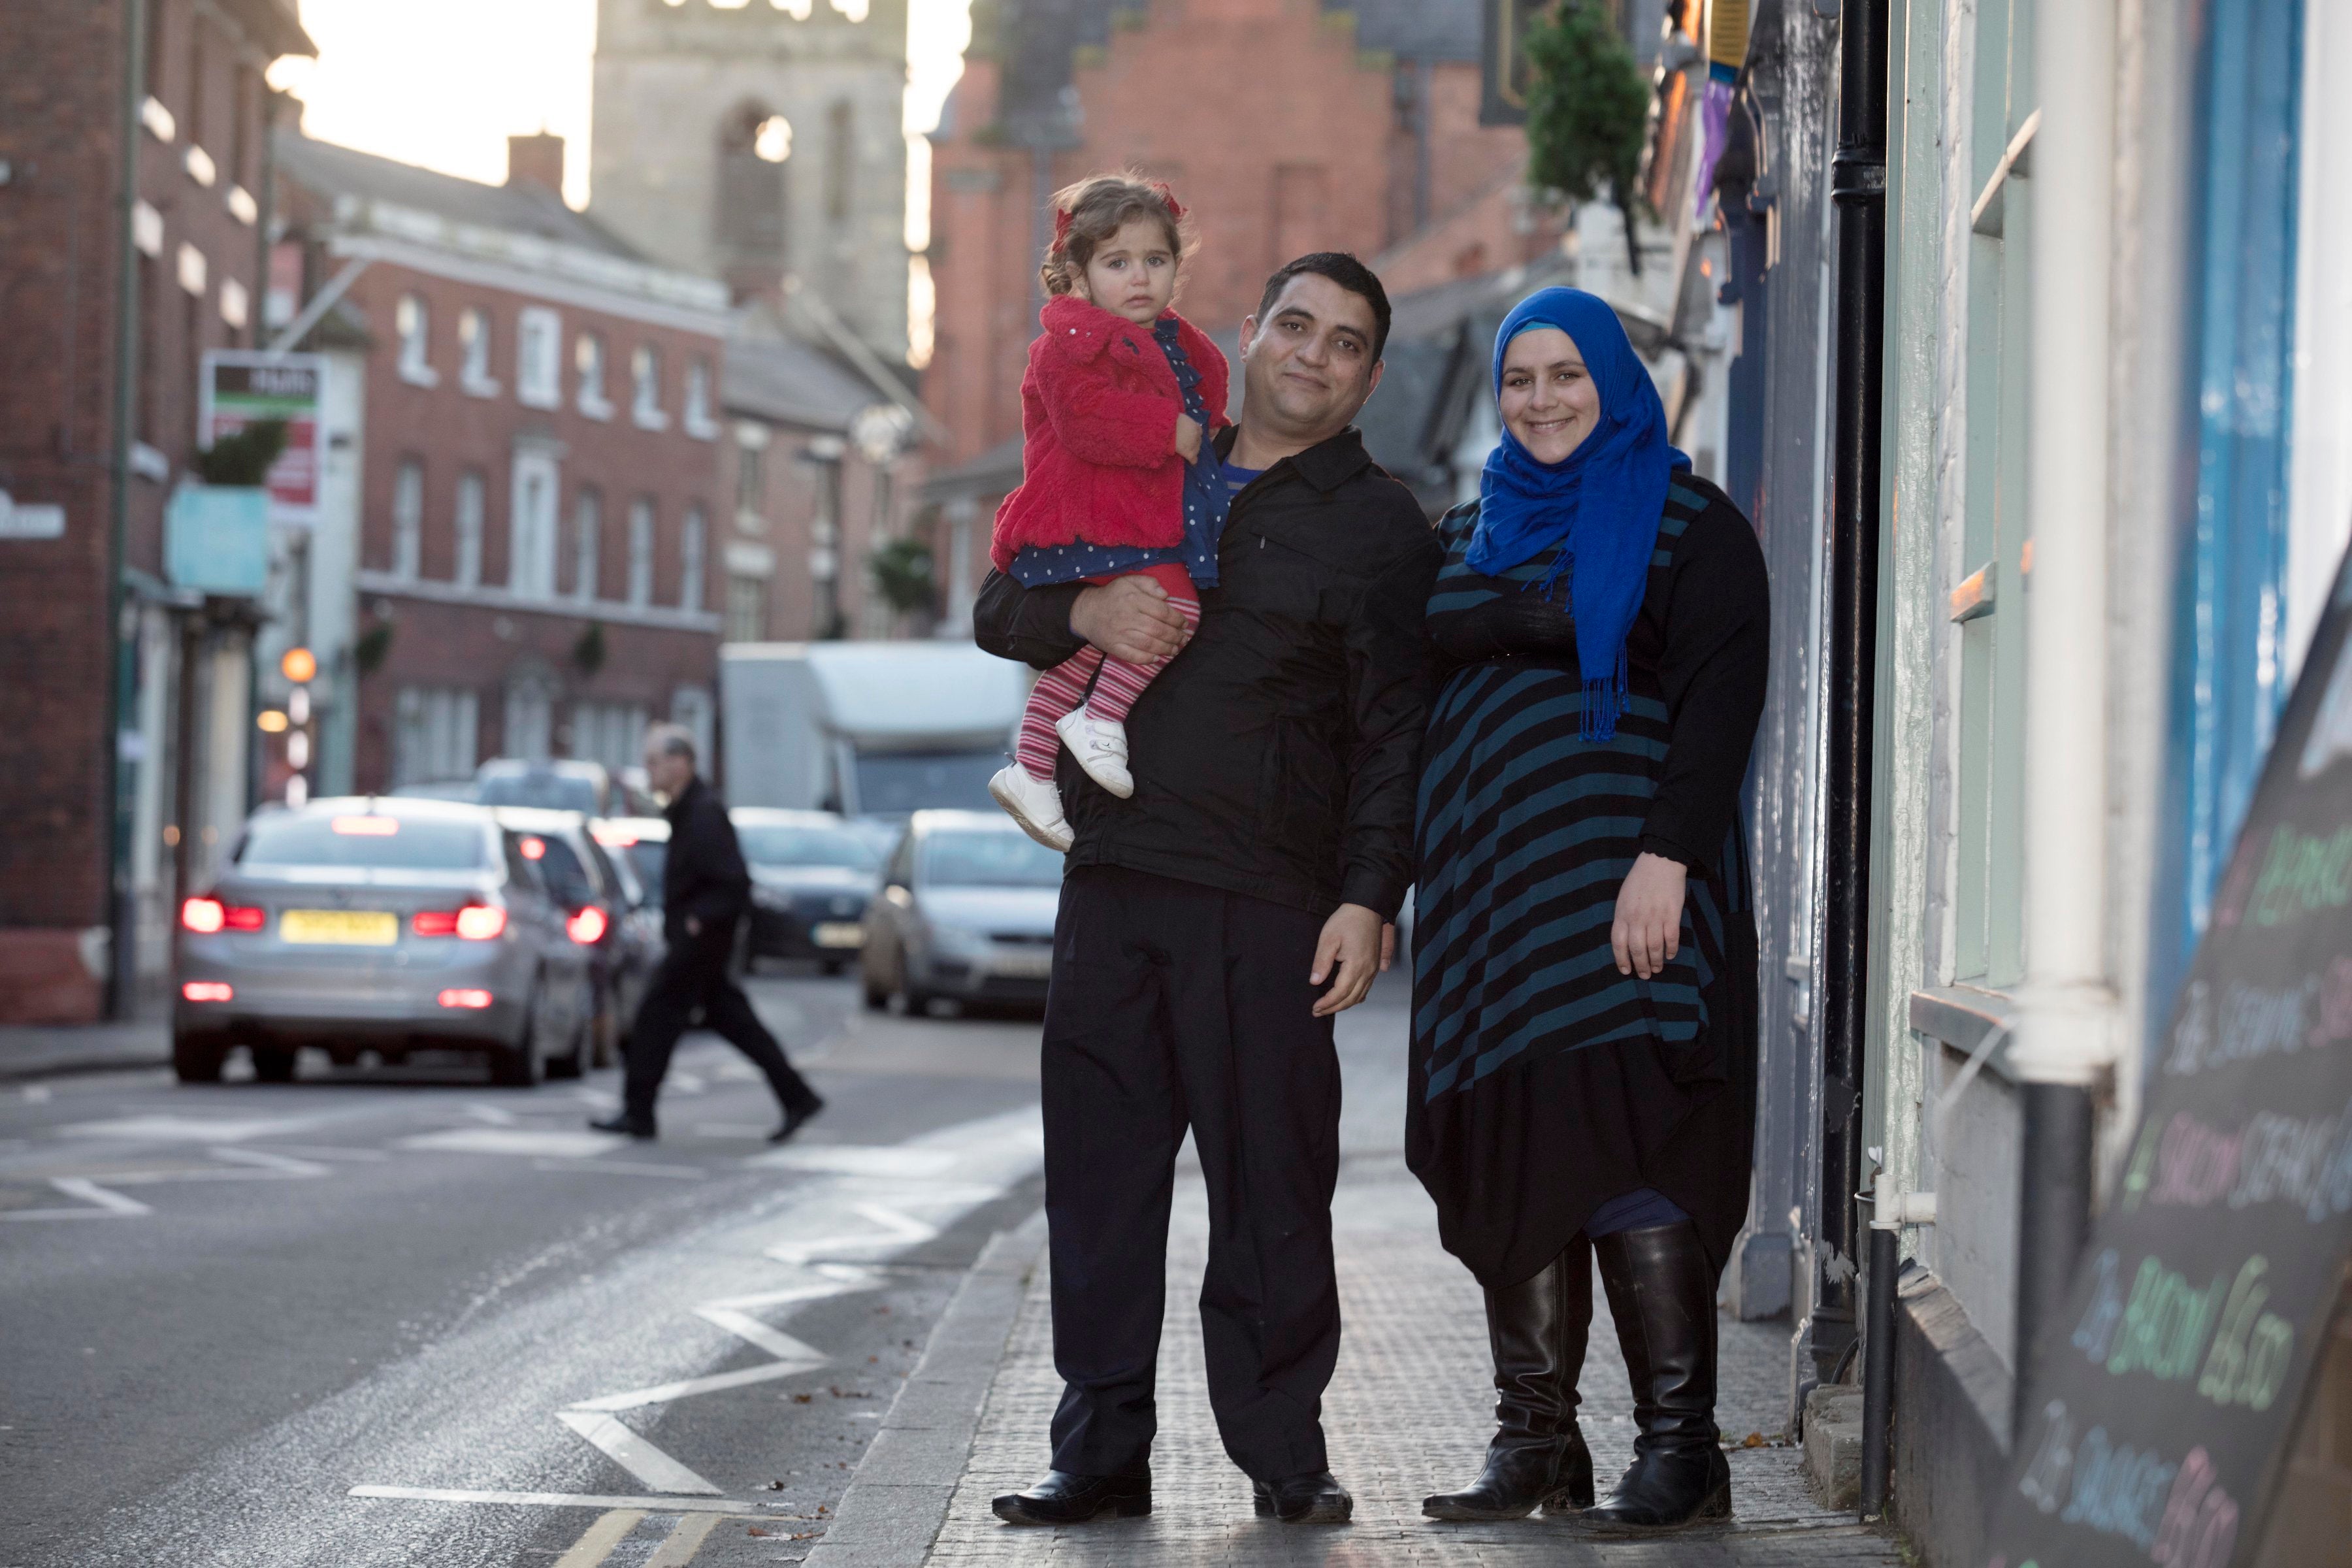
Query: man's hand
1188, 437
1349, 954
1648, 930
1388, 947
1130, 619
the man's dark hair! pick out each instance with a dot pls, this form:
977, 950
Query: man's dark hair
1346, 271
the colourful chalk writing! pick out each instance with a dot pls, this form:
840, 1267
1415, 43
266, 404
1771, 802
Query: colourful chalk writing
2302, 873
2201, 1520
2252, 1350
2096, 1334
2163, 1324
2196, 1164
2256, 1021
2117, 1491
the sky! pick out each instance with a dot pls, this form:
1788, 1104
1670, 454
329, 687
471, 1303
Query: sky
444, 82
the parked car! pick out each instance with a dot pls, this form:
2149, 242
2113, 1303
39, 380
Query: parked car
441, 789
568, 784
392, 925
642, 843
811, 877
966, 911
598, 903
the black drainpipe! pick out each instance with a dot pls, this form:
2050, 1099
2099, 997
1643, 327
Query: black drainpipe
1858, 189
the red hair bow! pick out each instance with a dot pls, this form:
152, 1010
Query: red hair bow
1061, 227
1175, 207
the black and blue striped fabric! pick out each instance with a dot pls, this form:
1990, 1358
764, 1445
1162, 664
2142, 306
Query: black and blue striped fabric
1534, 1061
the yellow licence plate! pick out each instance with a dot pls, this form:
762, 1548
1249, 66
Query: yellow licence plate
340, 928
840, 933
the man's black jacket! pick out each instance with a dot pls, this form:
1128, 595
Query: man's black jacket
1278, 755
703, 875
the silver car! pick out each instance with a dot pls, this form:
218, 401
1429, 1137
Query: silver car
385, 925
966, 911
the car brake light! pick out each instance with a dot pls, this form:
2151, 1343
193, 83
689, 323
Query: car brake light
615, 838
243, 919
587, 928
464, 996
202, 916
480, 922
533, 848
474, 923
208, 991
368, 826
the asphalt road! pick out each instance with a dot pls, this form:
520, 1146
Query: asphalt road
226, 1307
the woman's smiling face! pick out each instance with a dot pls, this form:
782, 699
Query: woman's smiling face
1548, 399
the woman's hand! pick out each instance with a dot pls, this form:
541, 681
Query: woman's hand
1188, 437
1649, 926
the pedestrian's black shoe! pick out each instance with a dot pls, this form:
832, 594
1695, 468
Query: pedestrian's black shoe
1662, 1292
1537, 1457
1314, 1499
1064, 1498
795, 1118
621, 1121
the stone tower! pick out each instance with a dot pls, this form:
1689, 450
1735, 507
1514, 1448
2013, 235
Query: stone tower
759, 141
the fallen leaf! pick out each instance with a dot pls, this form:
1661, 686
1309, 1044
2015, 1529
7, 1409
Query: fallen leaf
803, 1398
755, 1530
1755, 1440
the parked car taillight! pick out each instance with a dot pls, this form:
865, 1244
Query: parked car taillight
588, 927
205, 916
474, 923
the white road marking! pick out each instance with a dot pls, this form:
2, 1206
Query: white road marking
557, 1500
356, 1156
167, 1128
496, 1115
733, 1129
686, 1083
37, 1094
285, 1165
602, 1098
545, 1142
686, 1387
901, 1229
634, 1454
622, 1168
858, 1160
109, 1204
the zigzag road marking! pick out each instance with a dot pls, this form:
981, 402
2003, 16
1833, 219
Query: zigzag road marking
951, 1172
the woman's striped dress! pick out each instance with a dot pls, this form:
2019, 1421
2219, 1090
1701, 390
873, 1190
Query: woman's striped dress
1545, 1082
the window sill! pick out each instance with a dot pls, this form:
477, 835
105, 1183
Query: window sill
596, 408
420, 375
1960, 1017
569, 607
700, 429
537, 399
654, 420
481, 388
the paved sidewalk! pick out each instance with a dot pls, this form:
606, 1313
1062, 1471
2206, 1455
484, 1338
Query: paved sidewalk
1408, 1413
30, 1051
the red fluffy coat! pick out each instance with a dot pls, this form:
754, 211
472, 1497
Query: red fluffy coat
1099, 411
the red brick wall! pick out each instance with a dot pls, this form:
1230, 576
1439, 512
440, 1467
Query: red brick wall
60, 111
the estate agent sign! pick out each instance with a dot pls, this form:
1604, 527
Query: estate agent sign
244, 386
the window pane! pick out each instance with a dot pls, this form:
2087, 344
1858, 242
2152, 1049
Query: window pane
411, 845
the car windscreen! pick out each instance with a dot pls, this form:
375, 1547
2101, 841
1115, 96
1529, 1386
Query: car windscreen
892, 784
549, 791
772, 844
954, 859
385, 843
567, 878
646, 857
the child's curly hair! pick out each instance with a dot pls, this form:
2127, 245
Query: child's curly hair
1086, 214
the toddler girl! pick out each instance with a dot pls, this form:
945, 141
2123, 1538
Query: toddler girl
1119, 475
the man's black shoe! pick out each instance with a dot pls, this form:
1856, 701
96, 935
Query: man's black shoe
1064, 1498
621, 1121
1314, 1499
795, 1118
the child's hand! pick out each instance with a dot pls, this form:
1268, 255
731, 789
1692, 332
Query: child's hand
1188, 437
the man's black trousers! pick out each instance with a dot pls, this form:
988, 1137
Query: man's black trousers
1178, 1005
692, 977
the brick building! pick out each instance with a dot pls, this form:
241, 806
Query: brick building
72, 89
1286, 125
538, 502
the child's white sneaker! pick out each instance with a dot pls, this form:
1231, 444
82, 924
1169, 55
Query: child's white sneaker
1100, 746
1035, 804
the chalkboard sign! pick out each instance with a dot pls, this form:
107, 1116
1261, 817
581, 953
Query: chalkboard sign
2168, 1393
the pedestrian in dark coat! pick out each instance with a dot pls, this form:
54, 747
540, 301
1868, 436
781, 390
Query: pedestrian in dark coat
1213, 924
705, 892
1584, 972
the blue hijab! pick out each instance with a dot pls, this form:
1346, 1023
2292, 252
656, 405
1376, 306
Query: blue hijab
1602, 503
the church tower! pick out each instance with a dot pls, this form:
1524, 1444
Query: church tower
758, 140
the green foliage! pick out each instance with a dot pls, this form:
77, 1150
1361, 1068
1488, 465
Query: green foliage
243, 459
368, 652
588, 652
903, 575
1586, 107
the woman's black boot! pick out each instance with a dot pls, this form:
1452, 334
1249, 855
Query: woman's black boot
1538, 1327
1662, 1292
